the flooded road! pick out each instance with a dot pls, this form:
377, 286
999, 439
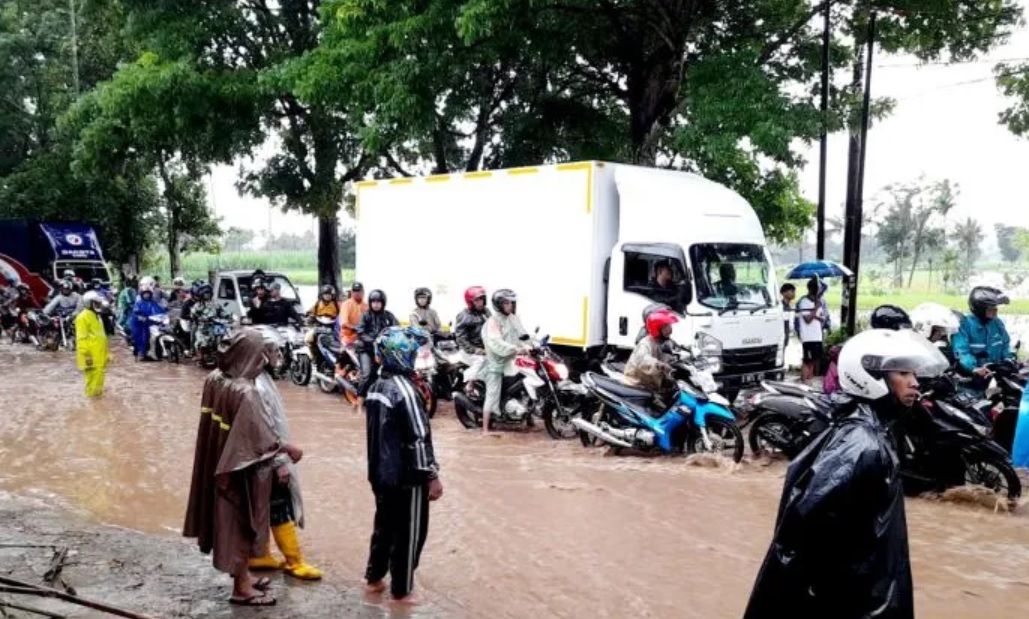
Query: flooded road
527, 527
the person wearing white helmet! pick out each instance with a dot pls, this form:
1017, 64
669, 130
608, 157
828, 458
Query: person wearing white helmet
840, 547
91, 344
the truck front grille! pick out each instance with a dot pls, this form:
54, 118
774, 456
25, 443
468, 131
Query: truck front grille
746, 360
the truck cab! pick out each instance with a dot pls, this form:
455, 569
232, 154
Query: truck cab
233, 290
717, 275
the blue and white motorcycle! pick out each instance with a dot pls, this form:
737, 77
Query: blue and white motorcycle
698, 420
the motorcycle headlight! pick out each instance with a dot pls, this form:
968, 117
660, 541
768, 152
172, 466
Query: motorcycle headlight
562, 371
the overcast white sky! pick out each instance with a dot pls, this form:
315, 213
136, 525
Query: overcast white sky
944, 126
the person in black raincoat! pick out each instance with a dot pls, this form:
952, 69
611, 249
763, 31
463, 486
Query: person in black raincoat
840, 547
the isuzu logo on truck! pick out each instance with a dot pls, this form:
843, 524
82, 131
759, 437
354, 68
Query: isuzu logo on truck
751, 340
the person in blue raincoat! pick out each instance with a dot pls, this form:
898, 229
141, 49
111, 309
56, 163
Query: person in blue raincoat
982, 337
144, 308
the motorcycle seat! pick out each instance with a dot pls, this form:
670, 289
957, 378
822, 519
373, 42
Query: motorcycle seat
620, 390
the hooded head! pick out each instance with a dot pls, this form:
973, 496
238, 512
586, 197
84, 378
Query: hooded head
242, 355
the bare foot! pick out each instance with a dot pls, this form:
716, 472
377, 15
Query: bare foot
375, 587
411, 599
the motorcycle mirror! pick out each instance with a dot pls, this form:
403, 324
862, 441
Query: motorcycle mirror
524, 337
537, 329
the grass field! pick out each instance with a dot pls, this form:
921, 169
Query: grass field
301, 268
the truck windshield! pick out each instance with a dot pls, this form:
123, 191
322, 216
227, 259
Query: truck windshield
288, 292
86, 271
731, 275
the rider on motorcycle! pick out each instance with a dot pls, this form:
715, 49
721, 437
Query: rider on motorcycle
67, 302
468, 331
982, 338
143, 311
327, 306
649, 367
373, 322
275, 310
422, 313
204, 309
502, 337
177, 295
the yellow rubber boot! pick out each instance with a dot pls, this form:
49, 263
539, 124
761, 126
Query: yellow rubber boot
265, 562
288, 542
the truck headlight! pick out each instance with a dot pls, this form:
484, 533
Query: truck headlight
780, 356
711, 348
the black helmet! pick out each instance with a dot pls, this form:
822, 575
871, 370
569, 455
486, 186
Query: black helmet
327, 289
423, 292
504, 294
890, 317
203, 289
377, 295
983, 298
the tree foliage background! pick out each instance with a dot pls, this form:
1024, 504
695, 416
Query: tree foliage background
344, 89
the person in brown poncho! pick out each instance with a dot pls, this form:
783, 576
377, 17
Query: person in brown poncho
229, 507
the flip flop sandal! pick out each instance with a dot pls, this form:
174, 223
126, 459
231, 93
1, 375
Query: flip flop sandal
262, 584
262, 599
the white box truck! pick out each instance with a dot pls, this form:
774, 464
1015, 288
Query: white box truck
580, 244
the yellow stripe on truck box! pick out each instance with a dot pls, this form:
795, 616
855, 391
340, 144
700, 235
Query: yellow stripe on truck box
485, 174
439, 178
522, 171
581, 341
582, 165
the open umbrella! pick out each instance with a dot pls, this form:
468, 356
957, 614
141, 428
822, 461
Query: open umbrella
818, 268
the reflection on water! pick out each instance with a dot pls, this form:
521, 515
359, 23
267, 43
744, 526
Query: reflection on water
527, 527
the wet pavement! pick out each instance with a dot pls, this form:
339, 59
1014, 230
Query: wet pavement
527, 527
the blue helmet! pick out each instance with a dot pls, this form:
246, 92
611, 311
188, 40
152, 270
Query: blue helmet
397, 347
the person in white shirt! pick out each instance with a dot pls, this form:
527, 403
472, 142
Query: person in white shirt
810, 318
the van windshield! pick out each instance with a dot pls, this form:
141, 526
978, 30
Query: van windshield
731, 275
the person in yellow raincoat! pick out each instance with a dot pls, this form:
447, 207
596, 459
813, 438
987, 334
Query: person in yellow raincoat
91, 344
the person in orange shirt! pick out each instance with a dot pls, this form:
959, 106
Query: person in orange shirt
350, 312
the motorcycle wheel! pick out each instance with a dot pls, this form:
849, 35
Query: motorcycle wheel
587, 439
301, 371
994, 473
770, 435
327, 386
174, 352
466, 419
208, 359
558, 427
723, 434
51, 341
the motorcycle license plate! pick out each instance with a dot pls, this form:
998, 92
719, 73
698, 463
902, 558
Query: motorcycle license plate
750, 379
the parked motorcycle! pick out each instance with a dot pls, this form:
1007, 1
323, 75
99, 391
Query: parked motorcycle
697, 420
942, 444
322, 368
166, 347
209, 334
523, 395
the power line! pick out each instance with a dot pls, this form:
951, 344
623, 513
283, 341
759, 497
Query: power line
1020, 71
949, 63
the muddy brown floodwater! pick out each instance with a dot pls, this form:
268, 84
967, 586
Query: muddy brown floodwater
527, 527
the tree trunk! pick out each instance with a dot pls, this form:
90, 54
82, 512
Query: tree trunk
918, 254
174, 254
328, 251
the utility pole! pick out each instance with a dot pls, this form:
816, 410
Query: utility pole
74, 47
824, 146
856, 190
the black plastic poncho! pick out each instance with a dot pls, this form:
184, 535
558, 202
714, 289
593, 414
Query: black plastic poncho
840, 548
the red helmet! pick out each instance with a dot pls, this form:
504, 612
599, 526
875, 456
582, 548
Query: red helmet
473, 293
658, 319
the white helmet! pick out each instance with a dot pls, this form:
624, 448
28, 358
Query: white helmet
867, 357
146, 288
146, 282
929, 315
91, 298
